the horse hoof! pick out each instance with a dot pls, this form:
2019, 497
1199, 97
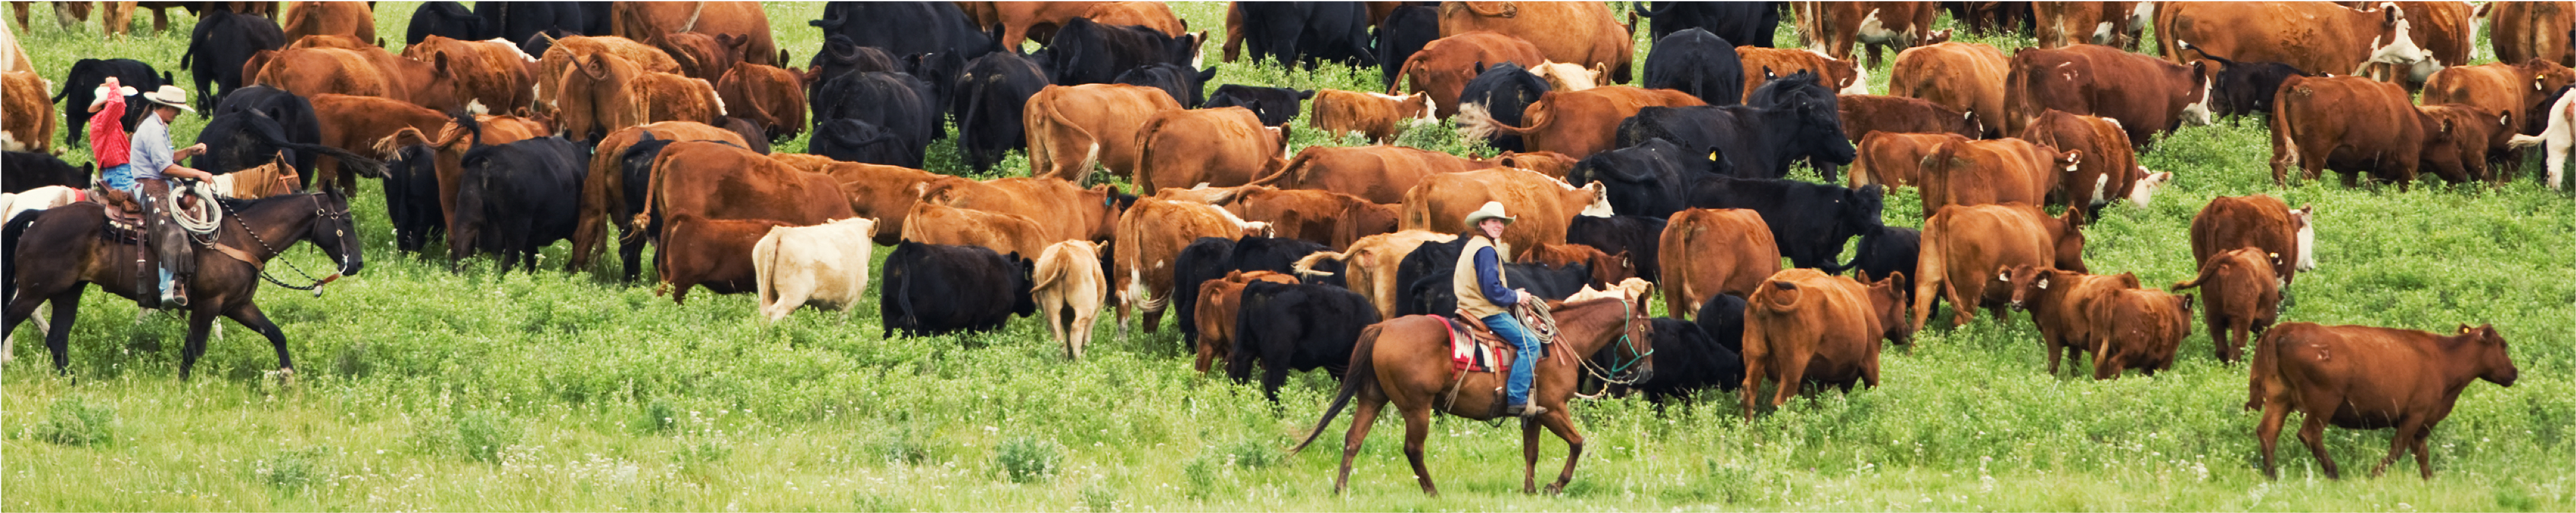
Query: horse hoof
1556, 489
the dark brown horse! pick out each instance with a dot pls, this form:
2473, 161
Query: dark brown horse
63, 252
1406, 360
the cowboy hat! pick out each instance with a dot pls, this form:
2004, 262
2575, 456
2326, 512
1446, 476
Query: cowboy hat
99, 96
170, 95
1491, 210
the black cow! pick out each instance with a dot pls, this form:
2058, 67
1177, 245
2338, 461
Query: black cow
2243, 88
1188, 86
29, 170
440, 18
1296, 327
222, 42
1722, 318
896, 102
851, 140
1888, 250
906, 28
937, 289
1425, 260
537, 44
1274, 105
1648, 179
411, 197
1274, 254
1207, 258
842, 56
988, 97
518, 21
514, 199
1402, 33
81, 85
1686, 360
257, 123
1697, 62
940, 71
1504, 91
1746, 23
1809, 221
1759, 142
1090, 53
635, 176
754, 136
1306, 32
1640, 236
1435, 294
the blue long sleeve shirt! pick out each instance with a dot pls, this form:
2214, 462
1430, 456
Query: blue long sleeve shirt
1489, 279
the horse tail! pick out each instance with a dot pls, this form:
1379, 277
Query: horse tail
16, 227
1363, 374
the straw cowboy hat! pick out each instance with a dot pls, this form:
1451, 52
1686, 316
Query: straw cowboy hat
1491, 210
99, 96
170, 95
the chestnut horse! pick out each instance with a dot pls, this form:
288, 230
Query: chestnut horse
1406, 360
66, 253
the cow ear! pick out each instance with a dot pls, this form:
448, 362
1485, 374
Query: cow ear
438, 61
1306, 94
1768, 75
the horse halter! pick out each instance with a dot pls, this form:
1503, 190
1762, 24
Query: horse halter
320, 212
1627, 372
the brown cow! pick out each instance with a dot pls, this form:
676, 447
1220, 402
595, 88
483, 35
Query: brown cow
932, 223
703, 56
1150, 235
2240, 297
1378, 116
769, 95
1708, 252
2462, 138
369, 72
357, 123
2317, 37
1544, 206
712, 252
1576, 124
1216, 311
2352, 124
493, 75
806, 162
2262, 221
2138, 329
1583, 33
722, 181
1802, 326
30, 125
2522, 31
649, 21
1846, 76
1894, 159
1443, 67
2500, 87
881, 192
1062, 209
1220, 147
603, 189
1879, 25
1370, 265
1379, 174
1329, 218
2362, 377
1152, 15
2145, 94
1965, 247
558, 63
1024, 21
329, 18
2103, 23
1070, 128
1863, 114
2106, 168
1607, 269
2007, 170
658, 97
1553, 164
2061, 305
329, 41
1966, 77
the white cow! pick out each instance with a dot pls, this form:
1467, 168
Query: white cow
1068, 277
825, 266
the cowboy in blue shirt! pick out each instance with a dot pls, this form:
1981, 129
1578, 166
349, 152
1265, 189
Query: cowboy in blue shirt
1483, 292
154, 164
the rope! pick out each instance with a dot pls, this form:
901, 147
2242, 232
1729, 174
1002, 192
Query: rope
204, 221
273, 253
1627, 319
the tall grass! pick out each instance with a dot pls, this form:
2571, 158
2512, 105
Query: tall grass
423, 389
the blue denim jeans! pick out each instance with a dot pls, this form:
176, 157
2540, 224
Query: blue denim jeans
120, 177
1516, 389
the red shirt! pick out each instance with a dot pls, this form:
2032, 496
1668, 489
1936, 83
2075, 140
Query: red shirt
108, 143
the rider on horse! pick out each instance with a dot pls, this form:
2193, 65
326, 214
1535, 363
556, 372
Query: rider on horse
154, 164
1486, 295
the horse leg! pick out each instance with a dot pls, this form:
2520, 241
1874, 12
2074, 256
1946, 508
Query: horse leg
1417, 427
58, 339
250, 316
1529, 456
1361, 419
200, 323
1561, 423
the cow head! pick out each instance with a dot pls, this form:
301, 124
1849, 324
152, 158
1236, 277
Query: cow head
2070, 241
2026, 281
2400, 50
2546, 75
1887, 301
2197, 111
2492, 361
1860, 211
2304, 218
1595, 199
1111, 204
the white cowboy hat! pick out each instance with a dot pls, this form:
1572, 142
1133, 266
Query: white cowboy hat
1491, 210
100, 95
170, 95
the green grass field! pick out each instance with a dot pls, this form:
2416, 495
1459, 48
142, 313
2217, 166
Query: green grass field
419, 389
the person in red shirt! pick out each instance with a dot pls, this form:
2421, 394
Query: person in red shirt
108, 143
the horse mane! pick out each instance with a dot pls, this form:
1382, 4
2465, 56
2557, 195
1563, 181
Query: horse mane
242, 205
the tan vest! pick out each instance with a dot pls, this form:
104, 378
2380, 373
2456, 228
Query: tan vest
1462, 283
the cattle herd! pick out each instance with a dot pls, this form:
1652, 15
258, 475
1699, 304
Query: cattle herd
510, 126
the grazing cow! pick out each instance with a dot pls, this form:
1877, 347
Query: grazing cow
1026, 21
493, 74
1804, 327
1150, 234
1009, 234
1574, 32
1275, 105
722, 181
1219, 300
896, 102
443, 155
1379, 117
1224, 147
1689, 358
1090, 53
1295, 33
1964, 77
744, 22
444, 19
1710, 252
662, 97
2318, 37
771, 96
357, 123
1063, 210
824, 266
1997, 171
1404, 32
2242, 88
29, 170
222, 42
1696, 62
1639, 237
2240, 297
1745, 23
1295, 327
1203, 260
1606, 269
2461, 138
1445, 67
1184, 84
2138, 329
851, 140
991, 94
2354, 125
2522, 31
2509, 88
1863, 114
2261, 221
1886, 252
30, 124
2146, 95
1649, 179
1152, 15
1379, 174
2119, 24
1877, 25
1765, 64
1072, 127
1578, 123
2361, 377
931, 289
80, 86
2063, 305
1371, 265
613, 189
1323, 217
712, 252
1895, 159
1757, 141
368, 72
1504, 92
1544, 205
1965, 247
1809, 221
1069, 288
514, 199
330, 18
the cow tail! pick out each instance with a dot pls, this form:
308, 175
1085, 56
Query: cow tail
1295, 164
2264, 370
1931, 272
2285, 138
1306, 266
1397, 83
1143, 175
391, 146
1362, 374
1475, 121
1048, 275
2207, 270
652, 197
764, 256
1090, 156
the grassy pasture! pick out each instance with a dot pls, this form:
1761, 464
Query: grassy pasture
421, 389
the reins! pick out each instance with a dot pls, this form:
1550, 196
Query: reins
273, 252
1612, 375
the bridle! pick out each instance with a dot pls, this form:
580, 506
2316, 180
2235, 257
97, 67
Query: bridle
1619, 372
320, 212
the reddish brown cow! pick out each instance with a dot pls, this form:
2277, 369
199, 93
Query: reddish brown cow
2500, 87
2317, 37
1070, 128
2240, 296
369, 72
2361, 377
1544, 206
492, 74
1576, 124
2463, 137
712, 252
1879, 25
1379, 174
1150, 235
1965, 247
1022, 21
769, 95
30, 125
1012, 235
357, 123
1553, 164
1804, 326
2138, 329
329, 18
329, 41
1218, 303
1966, 77
1606, 268
558, 62
2103, 23
2262, 221
703, 56
594, 96
2352, 124
1152, 15
1371, 264
1322, 217
2522, 31
1063, 210
1220, 147
2442, 29
881, 192
603, 189
1864, 114
649, 21
2061, 305
1443, 67
1709, 252
1576, 32
1846, 76
2106, 167
1378, 116
722, 181
2146, 95
659, 97
2004, 170
1895, 159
